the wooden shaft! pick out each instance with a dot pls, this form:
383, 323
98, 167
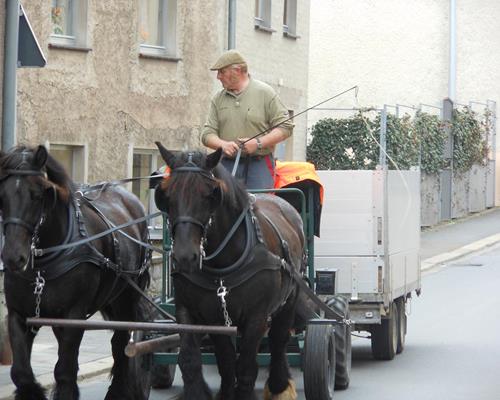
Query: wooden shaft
132, 326
149, 346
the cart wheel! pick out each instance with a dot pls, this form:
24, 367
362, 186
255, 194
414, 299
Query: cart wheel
343, 354
142, 367
319, 362
385, 336
162, 376
401, 306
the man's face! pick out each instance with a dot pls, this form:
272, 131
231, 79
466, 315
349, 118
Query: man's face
229, 77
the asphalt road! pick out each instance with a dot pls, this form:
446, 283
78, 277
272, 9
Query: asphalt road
452, 348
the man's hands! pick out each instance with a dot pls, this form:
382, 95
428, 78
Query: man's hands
230, 149
249, 147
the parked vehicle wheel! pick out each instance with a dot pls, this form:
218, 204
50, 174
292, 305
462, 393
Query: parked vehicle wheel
343, 354
385, 336
401, 305
319, 362
142, 366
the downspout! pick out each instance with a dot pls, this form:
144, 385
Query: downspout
9, 98
231, 25
452, 91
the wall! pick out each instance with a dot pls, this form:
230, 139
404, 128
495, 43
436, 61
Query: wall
109, 98
398, 52
280, 61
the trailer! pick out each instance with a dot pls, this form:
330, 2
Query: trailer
369, 250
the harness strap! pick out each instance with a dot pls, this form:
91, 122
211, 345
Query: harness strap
229, 235
17, 221
185, 219
144, 295
41, 252
250, 242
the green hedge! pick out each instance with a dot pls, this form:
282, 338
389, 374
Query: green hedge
351, 143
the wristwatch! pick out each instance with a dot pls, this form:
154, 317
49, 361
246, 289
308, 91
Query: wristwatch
259, 144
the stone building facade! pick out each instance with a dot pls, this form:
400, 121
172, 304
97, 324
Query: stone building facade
122, 77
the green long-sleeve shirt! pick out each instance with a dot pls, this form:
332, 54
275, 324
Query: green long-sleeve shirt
257, 108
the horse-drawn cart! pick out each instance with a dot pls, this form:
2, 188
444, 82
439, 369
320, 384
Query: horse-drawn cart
321, 345
363, 267
261, 235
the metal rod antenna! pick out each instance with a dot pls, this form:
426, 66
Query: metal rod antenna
302, 112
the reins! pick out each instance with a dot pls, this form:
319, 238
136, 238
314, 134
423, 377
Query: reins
41, 252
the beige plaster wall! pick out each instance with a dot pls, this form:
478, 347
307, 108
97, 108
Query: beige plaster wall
109, 98
398, 52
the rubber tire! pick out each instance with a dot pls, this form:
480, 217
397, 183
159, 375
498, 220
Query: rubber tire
142, 366
385, 336
319, 362
343, 353
401, 305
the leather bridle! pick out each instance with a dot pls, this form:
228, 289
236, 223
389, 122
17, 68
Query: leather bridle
16, 220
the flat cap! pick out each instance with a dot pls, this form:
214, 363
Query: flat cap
230, 57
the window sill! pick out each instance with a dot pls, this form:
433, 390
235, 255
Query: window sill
291, 35
160, 57
69, 47
265, 29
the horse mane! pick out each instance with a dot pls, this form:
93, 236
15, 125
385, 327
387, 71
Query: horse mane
58, 175
55, 171
234, 194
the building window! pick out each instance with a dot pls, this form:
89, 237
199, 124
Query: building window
263, 15
69, 23
157, 27
144, 163
290, 18
72, 159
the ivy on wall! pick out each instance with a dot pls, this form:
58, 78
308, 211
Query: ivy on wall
351, 143
469, 145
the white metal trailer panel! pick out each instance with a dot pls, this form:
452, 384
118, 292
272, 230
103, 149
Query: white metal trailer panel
370, 233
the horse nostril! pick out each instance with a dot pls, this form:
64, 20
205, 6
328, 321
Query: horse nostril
15, 261
186, 260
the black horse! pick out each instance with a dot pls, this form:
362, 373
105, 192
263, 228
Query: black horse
253, 243
41, 209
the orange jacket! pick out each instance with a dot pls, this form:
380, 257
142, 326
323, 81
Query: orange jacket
290, 172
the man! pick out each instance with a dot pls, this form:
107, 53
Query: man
240, 111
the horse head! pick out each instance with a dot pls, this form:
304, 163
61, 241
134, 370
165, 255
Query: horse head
25, 194
189, 196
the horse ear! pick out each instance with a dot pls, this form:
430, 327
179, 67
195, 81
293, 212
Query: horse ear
40, 157
213, 159
167, 156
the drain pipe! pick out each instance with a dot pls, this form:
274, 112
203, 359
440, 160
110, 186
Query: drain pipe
231, 25
9, 98
452, 90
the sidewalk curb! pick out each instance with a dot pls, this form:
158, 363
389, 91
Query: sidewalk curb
473, 247
86, 371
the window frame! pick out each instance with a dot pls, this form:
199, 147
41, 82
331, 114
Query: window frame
290, 19
78, 39
263, 15
168, 48
79, 159
154, 227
